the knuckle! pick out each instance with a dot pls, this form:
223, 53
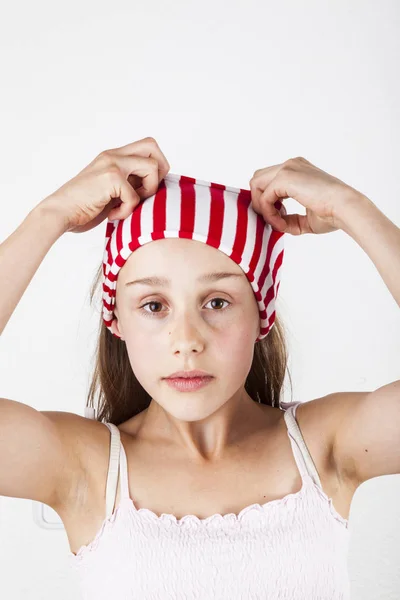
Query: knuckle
290, 164
151, 140
112, 172
252, 182
104, 157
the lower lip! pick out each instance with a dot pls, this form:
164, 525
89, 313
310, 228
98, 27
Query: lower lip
190, 384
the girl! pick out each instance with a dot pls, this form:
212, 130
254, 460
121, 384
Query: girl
195, 480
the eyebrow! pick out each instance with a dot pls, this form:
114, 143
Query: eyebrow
164, 282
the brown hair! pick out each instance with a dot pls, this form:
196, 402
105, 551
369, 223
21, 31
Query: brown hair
121, 396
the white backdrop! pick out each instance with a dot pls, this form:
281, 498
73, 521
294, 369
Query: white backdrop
225, 88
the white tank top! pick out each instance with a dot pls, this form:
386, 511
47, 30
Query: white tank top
292, 548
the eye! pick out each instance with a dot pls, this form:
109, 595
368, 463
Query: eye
156, 302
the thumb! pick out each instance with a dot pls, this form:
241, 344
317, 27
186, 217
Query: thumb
125, 204
295, 224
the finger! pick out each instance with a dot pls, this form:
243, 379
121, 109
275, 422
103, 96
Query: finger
145, 168
294, 224
265, 205
147, 147
261, 178
126, 202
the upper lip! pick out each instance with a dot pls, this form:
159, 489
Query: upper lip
188, 374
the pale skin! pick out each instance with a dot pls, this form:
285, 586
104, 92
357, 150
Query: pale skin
190, 327
185, 336
187, 459
187, 332
369, 433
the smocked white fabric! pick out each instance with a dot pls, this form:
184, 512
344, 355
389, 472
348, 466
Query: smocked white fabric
295, 547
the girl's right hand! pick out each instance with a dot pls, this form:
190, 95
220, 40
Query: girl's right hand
111, 186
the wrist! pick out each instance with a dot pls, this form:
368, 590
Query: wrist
49, 213
350, 208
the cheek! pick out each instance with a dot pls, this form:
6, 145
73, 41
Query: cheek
240, 356
233, 343
235, 351
141, 354
239, 335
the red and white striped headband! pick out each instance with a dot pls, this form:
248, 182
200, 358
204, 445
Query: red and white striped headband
212, 213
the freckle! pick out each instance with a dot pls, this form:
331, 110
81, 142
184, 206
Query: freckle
366, 449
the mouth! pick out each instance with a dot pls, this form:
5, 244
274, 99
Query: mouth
195, 373
188, 384
196, 378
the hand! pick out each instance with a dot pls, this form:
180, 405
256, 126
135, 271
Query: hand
321, 194
112, 185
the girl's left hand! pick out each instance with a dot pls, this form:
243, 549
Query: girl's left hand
322, 195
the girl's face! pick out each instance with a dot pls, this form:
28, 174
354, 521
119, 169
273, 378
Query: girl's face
186, 323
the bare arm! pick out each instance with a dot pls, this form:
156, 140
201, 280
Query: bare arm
38, 460
22, 253
40, 453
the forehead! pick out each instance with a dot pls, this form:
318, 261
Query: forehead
165, 255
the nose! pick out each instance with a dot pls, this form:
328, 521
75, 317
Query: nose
187, 333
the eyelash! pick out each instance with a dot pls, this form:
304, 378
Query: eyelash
149, 314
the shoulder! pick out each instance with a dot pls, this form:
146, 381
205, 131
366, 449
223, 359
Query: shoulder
329, 409
80, 432
321, 419
86, 440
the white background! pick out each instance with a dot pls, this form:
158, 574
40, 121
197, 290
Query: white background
225, 88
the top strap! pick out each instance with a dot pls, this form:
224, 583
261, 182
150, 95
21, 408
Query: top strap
113, 465
117, 466
301, 453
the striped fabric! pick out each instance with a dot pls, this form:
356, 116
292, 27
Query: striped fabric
212, 213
